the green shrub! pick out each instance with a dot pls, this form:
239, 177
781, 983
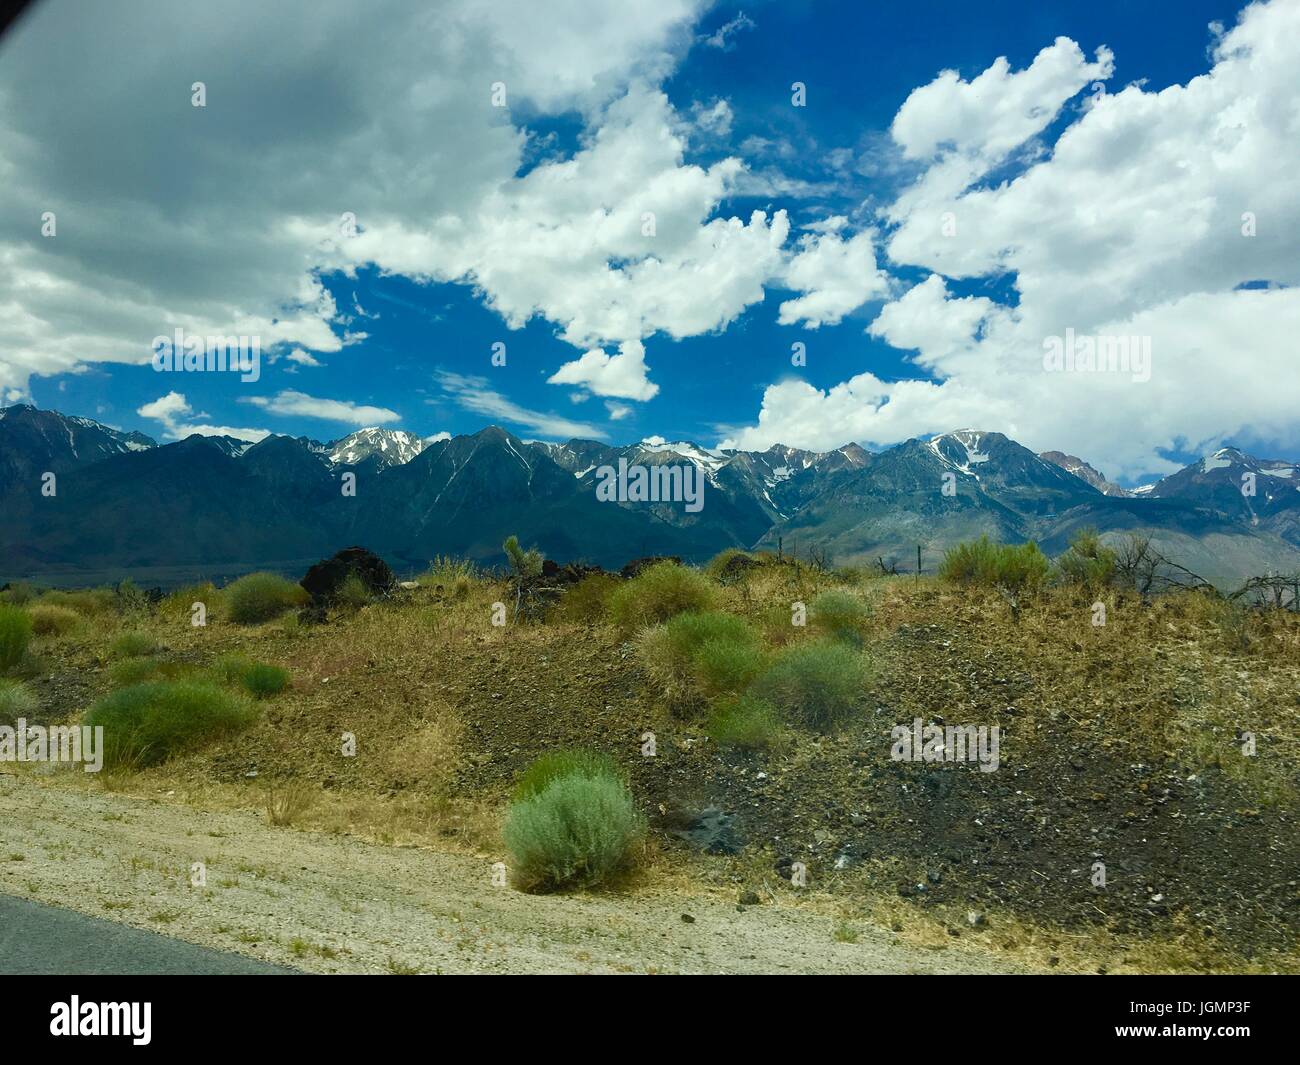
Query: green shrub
523, 564
713, 652
1088, 562
145, 724
745, 722
257, 678
1015, 568
17, 594
85, 601
262, 597
841, 615
134, 671
16, 700
658, 593
587, 602
51, 620
449, 574
353, 593
262, 679
133, 644
725, 667
580, 831
15, 635
733, 565
551, 767
129, 599
180, 603
818, 683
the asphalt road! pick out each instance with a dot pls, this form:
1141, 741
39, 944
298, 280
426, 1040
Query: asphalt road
39, 940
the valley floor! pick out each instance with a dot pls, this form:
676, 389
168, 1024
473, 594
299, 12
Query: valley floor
334, 904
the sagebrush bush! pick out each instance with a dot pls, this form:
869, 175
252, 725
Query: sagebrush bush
1088, 562
746, 722
86, 601
145, 724
262, 597
818, 683
658, 593
550, 767
51, 620
841, 615
587, 602
257, 678
16, 700
580, 831
17, 594
180, 603
15, 635
133, 644
725, 667
1015, 568
699, 654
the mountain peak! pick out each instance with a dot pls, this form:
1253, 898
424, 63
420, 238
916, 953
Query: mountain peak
387, 447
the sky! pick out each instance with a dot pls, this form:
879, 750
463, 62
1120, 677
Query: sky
796, 222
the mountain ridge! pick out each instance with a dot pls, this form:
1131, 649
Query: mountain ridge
287, 497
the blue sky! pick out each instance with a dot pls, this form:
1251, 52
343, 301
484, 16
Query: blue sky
726, 72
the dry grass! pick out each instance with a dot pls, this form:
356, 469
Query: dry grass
287, 803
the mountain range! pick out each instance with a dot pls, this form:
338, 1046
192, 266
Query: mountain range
120, 502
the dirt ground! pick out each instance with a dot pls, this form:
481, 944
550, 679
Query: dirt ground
333, 904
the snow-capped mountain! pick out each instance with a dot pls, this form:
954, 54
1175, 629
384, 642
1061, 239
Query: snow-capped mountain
1226, 516
1075, 465
388, 447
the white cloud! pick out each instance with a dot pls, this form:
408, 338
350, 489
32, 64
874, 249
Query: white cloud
614, 244
622, 376
618, 411
723, 38
219, 219
437, 437
474, 393
174, 411
837, 275
1130, 224
299, 404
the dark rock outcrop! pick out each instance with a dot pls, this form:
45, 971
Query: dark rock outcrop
324, 579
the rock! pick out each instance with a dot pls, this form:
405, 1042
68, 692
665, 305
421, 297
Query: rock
976, 920
750, 898
637, 565
324, 579
712, 831
409, 586
687, 919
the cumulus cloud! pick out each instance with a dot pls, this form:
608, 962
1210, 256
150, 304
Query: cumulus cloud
1137, 221
837, 276
174, 412
224, 218
622, 376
